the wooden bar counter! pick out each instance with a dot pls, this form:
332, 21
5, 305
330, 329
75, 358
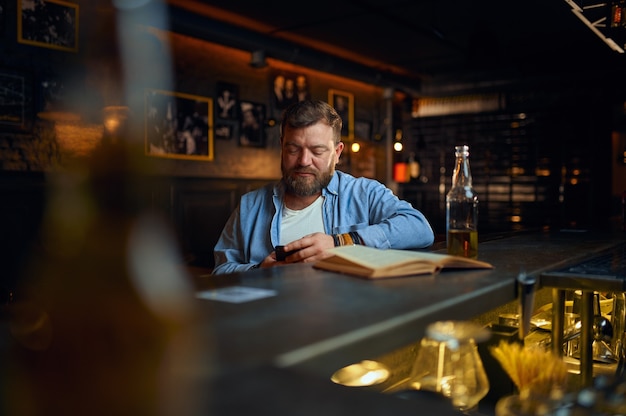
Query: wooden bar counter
276, 355
320, 321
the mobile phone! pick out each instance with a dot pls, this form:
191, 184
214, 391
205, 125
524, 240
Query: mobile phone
281, 254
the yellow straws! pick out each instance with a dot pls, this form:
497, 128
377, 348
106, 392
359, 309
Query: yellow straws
534, 371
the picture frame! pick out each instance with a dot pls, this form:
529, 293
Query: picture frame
343, 103
15, 100
227, 101
287, 88
48, 23
178, 125
226, 129
252, 124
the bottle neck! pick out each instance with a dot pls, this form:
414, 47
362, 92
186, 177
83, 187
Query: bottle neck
462, 175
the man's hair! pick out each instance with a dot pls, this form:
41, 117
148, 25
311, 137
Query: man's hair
309, 112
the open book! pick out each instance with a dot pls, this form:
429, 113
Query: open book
374, 263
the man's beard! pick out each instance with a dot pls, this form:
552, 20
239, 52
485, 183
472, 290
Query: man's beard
306, 186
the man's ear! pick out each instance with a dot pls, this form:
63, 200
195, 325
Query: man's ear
338, 150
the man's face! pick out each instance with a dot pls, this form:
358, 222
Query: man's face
309, 156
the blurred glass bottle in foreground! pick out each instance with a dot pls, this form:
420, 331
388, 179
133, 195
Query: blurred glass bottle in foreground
624, 211
462, 209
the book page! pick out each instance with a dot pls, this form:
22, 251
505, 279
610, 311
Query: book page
374, 258
372, 262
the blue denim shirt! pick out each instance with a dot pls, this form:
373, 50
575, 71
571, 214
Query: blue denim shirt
350, 204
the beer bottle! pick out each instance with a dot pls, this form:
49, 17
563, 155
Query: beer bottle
462, 209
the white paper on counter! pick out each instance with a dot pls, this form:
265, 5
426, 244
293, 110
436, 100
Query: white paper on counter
236, 294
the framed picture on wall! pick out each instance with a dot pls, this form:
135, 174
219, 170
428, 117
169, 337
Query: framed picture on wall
14, 99
48, 23
227, 102
252, 124
343, 102
287, 88
226, 129
178, 126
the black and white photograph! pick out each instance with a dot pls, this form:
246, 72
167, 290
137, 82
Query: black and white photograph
227, 107
252, 126
13, 99
343, 102
48, 23
178, 125
288, 88
225, 129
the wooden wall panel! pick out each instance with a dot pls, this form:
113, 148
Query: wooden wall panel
201, 209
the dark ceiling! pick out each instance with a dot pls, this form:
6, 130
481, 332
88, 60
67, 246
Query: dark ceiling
407, 40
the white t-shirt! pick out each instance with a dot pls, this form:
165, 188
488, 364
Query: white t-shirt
296, 224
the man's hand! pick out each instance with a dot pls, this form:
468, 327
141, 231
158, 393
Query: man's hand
309, 248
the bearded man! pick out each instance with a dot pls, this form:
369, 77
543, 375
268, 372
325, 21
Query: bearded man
315, 207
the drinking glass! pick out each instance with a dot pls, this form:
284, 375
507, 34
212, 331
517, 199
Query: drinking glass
448, 363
